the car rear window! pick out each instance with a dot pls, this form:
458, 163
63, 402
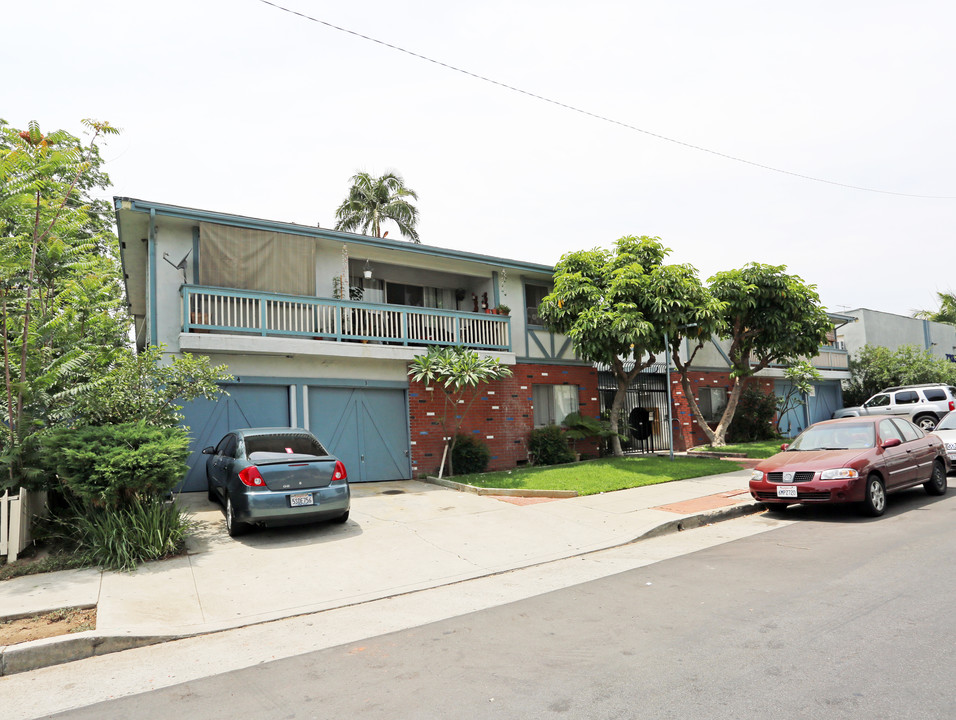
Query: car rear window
935, 395
290, 444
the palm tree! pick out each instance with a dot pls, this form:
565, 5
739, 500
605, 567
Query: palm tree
946, 312
374, 200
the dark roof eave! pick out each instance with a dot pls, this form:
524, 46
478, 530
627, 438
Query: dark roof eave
144, 206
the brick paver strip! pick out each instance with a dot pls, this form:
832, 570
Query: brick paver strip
709, 502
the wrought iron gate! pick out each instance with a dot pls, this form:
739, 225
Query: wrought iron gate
644, 416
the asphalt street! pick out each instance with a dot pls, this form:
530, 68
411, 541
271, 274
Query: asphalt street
830, 616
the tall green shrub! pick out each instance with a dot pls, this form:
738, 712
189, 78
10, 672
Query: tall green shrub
754, 419
470, 455
109, 466
549, 446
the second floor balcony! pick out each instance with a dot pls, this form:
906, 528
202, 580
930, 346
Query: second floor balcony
266, 314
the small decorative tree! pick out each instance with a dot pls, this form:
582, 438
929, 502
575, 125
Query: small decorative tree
801, 376
457, 372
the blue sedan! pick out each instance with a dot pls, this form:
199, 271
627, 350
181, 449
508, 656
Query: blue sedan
276, 476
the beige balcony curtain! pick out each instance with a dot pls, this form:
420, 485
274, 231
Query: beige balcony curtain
248, 259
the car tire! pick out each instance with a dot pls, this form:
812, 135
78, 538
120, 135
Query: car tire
342, 519
926, 423
233, 526
936, 485
874, 497
776, 508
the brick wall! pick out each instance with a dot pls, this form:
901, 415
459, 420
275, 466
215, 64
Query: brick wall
687, 433
501, 416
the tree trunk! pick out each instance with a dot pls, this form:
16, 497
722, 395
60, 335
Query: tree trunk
721, 432
616, 405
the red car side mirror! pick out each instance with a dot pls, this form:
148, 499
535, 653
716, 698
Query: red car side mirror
892, 442
784, 446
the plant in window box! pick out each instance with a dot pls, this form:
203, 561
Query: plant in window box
503, 310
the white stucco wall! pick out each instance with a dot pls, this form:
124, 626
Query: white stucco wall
892, 331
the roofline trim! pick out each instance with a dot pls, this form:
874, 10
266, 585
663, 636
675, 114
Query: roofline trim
145, 206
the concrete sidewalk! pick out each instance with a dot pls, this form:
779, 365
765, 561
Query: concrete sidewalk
401, 537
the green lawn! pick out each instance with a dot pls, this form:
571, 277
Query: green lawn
604, 475
761, 449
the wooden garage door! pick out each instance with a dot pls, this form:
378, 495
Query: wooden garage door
366, 428
245, 406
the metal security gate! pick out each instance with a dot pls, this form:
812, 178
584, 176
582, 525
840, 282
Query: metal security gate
366, 428
244, 406
644, 415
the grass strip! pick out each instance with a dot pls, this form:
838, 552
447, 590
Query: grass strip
603, 475
760, 449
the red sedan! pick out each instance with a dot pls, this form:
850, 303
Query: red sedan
856, 459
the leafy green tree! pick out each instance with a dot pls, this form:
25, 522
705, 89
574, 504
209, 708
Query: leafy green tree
801, 376
770, 317
946, 313
61, 313
615, 306
372, 201
144, 388
458, 373
876, 367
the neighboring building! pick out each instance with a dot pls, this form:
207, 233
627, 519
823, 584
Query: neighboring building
873, 327
271, 301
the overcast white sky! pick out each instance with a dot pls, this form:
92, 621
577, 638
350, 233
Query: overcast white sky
240, 107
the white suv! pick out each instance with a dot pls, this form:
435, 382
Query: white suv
924, 404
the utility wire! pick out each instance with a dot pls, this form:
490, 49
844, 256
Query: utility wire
597, 116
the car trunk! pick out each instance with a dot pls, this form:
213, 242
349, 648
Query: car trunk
284, 471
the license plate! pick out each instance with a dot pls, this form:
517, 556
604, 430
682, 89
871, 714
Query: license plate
787, 491
303, 499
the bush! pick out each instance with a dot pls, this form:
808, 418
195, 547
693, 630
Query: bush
119, 538
113, 465
549, 446
470, 455
753, 419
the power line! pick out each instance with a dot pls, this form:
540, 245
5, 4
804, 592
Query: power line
597, 116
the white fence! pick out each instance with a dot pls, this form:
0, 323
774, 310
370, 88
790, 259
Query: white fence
16, 514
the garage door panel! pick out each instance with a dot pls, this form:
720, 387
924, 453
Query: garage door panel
244, 406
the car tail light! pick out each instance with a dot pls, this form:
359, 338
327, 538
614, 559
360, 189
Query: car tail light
952, 405
251, 477
339, 474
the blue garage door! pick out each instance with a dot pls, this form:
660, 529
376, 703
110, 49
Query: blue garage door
366, 428
245, 406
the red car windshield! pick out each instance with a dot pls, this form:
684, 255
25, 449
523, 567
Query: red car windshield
836, 437
289, 444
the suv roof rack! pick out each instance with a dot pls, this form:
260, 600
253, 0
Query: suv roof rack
911, 387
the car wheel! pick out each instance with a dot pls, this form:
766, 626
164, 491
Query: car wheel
233, 526
926, 423
776, 508
343, 518
937, 481
874, 500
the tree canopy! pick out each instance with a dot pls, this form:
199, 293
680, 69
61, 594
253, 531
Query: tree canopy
769, 317
372, 201
876, 367
946, 313
615, 306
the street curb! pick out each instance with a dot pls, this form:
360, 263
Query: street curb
37, 654
710, 517
68, 648
502, 492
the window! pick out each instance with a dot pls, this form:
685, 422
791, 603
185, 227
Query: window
935, 394
877, 401
534, 294
909, 430
288, 444
553, 403
712, 401
227, 446
888, 431
417, 295
907, 397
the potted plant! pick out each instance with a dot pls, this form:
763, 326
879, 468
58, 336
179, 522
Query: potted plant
503, 310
